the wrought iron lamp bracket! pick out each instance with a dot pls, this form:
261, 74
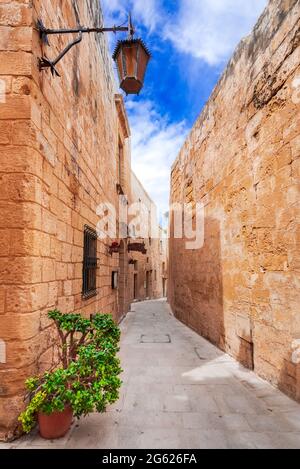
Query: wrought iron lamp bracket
44, 33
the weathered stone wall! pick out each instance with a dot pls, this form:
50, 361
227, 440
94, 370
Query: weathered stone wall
59, 141
15, 161
241, 290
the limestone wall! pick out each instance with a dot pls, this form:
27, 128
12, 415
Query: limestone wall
59, 141
241, 290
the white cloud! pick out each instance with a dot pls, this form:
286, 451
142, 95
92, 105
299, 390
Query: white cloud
149, 12
205, 29
155, 145
114, 13
113, 7
210, 29
146, 12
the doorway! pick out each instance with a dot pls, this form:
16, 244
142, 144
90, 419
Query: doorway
148, 283
122, 283
135, 286
164, 288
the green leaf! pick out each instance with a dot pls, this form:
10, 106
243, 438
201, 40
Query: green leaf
90, 381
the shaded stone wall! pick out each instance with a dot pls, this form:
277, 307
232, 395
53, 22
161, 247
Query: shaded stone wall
241, 290
59, 141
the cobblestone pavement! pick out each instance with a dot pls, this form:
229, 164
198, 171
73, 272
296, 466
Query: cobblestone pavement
180, 392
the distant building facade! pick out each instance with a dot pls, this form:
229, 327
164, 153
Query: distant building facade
148, 271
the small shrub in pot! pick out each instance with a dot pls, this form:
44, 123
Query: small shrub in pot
88, 379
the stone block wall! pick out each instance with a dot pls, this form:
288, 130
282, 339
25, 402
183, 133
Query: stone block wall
59, 141
241, 290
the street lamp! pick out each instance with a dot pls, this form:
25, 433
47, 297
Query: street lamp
131, 55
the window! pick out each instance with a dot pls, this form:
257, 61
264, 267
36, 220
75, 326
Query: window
115, 280
89, 287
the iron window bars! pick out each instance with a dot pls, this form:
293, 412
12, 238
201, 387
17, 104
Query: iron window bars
90, 263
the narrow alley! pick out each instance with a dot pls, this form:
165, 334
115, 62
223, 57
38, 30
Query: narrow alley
149, 184
180, 391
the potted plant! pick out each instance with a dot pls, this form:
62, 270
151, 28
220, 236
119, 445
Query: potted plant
87, 380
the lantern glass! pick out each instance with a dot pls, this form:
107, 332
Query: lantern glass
131, 57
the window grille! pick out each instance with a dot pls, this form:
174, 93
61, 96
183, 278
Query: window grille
89, 263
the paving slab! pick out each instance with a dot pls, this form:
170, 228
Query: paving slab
181, 392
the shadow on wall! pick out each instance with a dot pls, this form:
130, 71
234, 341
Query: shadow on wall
197, 293
289, 380
246, 353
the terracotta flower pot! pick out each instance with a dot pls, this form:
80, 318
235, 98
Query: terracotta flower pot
55, 425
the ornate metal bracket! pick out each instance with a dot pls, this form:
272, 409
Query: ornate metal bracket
44, 33
46, 63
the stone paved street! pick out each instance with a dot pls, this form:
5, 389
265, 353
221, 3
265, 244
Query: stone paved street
180, 392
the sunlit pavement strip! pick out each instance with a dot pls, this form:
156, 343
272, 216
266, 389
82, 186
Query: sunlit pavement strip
180, 392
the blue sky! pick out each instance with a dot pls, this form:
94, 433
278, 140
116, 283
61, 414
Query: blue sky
191, 41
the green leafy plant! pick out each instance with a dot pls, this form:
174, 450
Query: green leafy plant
88, 378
